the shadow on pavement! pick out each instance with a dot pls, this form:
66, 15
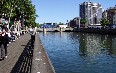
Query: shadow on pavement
24, 63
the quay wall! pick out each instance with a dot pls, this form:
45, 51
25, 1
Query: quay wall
41, 62
96, 30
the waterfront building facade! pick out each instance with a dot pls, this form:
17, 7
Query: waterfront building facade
74, 22
92, 12
110, 14
104, 14
114, 19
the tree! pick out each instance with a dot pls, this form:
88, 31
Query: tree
83, 21
37, 25
60, 23
104, 22
18, 10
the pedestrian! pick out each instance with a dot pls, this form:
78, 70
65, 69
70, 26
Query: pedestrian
13, 37
9, 36
32, 32
3, 43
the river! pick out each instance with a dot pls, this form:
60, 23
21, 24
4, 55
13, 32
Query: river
73, 52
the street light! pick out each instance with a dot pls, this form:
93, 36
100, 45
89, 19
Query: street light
10, 16
79, 22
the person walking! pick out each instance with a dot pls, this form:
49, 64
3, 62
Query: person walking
3, 43
32, 32
1, 40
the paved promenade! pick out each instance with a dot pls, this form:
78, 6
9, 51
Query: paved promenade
24, 58
19, 59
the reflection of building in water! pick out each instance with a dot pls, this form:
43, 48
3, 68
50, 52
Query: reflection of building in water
44, 33
108, 43
65, 36
90, 45
82, 47
93, 45
113, 47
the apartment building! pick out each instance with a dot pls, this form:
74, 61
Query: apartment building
92, 12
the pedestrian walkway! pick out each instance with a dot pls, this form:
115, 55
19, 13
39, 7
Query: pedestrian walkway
24, 58
18, 56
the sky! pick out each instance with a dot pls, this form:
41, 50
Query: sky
56, 11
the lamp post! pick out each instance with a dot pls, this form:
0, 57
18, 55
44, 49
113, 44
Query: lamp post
10, 17
23, 20
79, 22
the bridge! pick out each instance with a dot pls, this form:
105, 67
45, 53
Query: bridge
25, 58
54, 29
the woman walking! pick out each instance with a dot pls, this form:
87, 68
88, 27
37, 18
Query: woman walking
3, 43
32, 32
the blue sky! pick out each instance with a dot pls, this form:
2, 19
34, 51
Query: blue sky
62, 10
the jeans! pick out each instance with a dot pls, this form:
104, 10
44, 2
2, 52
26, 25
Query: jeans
3, 50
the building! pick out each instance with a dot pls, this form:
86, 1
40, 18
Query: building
49, 25
114, 19
110, 14
104, 14
92, 12
74, 22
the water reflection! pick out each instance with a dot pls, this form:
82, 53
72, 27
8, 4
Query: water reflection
92, 45
80, 52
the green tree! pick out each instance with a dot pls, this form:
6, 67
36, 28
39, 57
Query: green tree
60, 23
83, 21
37, 25
104, 22
18, 10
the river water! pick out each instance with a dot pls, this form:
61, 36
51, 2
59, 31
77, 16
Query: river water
72, 52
